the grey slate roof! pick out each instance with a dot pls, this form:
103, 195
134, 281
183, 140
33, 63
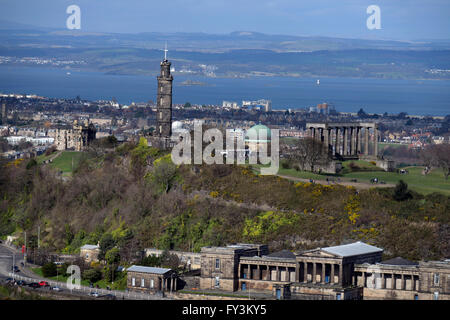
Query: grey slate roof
148, 269
90, 247
352, 249
284, 254
399, 261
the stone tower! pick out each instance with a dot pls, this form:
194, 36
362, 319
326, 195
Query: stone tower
164, 103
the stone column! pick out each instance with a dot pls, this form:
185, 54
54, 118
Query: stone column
338, 144
358, 140
314, 278
305, 272
297, 272
239, 271
278, 274
332, 273
353, 141
322, 279
258, 272
326, 136
249, 272
402, 282
268, 275
363, 276
383, 281
393, 282
366, 135
341, 274
375, 141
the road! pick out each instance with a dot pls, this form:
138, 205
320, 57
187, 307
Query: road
357, 185
6, 263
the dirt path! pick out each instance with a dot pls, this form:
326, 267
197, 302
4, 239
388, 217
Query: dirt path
357, 185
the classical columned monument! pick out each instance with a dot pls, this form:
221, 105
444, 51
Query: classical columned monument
352, 140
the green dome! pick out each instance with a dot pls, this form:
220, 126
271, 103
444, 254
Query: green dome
258, 131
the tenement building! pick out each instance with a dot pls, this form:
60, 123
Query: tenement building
338, 272
78, 138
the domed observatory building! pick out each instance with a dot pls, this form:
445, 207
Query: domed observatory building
258, 138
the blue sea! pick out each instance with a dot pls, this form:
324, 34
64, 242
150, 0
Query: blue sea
416, 97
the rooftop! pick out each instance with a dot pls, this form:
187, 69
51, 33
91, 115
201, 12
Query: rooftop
283, 254
399, 261
90, 247
352, 249
148, 269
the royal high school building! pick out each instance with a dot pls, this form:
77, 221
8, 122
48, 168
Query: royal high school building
351, 271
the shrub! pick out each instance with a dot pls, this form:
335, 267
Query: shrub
401, 191
49, 269
286, 165
92, 275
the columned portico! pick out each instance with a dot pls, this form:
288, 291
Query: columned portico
345, 139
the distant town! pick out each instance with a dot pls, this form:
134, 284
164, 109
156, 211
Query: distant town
30, 122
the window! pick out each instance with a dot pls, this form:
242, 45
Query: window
152, 283
436, 279
133, 282
142, 283
160, 114
217, 284
436, 296
217, 263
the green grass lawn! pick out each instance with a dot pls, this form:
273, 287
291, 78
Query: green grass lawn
433, 182
65, 162
59, 277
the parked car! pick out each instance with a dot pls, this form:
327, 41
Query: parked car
21, 283
44, 284
56, 288
34, 285
94, 294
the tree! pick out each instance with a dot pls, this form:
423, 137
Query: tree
112, 257
107, 242
439, 156
163, 174
49, 269
151, 261
308, 153
92, 275
187, 105
401, 191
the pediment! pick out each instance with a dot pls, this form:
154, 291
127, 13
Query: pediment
318, 253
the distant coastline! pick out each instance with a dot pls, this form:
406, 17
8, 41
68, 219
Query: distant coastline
347, 94
193, 83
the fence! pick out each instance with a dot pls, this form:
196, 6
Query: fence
87, 290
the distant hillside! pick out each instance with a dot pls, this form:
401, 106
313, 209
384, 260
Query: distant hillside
230, 55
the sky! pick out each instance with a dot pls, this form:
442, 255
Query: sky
400, 19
